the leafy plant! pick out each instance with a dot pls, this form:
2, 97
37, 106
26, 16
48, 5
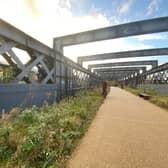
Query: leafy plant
45, 137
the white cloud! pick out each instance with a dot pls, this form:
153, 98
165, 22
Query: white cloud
65, 4
153, 7
152, 37
125, 7
47, 19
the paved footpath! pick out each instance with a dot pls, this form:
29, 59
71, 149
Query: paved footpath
127, 132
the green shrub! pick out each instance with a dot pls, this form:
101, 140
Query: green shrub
28, 116
5, 153
4, 134
46, 137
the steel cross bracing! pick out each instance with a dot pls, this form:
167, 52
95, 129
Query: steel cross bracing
50, 69
153, 63
157, 75
160, 68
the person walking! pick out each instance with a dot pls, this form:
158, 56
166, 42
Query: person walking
104, 89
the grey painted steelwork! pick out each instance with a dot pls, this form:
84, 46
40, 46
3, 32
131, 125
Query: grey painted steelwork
56, 73
10, 32
154, 63
25, 95
162, 67
123, 30
120, 69
23, 41
157, 75
50, 69
118, 75
125, 54
120, 72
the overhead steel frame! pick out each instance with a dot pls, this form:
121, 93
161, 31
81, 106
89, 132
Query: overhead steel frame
153, 63
112, 32
123, 30
43, 58
53, 66
124, 54
120, 73
118, 69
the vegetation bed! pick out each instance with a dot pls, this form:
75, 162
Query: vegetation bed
45, 137
155, 98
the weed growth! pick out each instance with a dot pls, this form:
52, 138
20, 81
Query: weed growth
47, 136
156, 98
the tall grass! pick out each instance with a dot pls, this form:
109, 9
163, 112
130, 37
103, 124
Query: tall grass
156, 98
45, 137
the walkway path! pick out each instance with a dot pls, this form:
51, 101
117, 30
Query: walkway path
128, 132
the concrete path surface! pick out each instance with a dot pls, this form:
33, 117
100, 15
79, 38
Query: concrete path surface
127, 132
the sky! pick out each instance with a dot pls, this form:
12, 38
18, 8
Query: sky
46, 19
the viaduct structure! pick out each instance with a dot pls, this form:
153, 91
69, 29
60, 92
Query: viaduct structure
50, 76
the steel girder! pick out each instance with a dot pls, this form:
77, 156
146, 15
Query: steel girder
119, 72
118, 75
123, 30
125, 54
120, 69
21, 40
153, 63
51, 65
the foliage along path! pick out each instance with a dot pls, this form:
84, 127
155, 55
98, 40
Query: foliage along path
128, 132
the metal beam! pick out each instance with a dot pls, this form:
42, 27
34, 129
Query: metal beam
118, 75
120, 69
125, 54
154, 63
118, 72
12, 33
123, 30
28, 43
